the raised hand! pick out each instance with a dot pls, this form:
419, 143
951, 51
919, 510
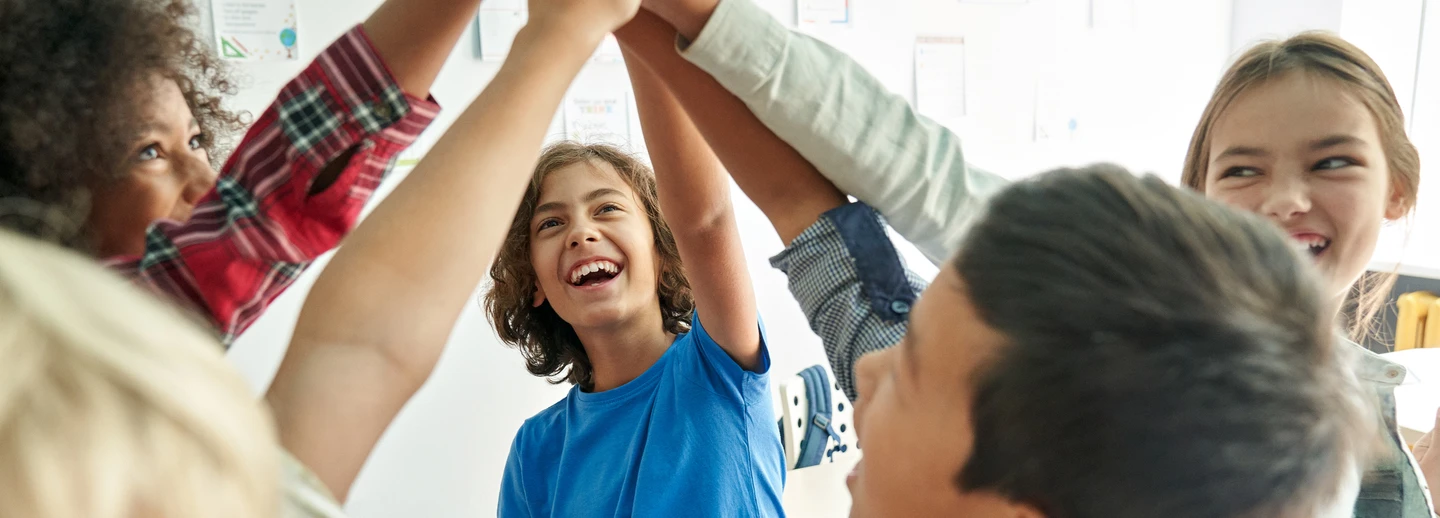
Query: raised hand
589, 19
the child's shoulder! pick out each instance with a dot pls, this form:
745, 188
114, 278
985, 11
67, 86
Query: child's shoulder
537, 429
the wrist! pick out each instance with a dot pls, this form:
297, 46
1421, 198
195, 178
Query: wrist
689, 17
571, 31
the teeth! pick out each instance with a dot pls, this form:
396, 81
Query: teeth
583, 270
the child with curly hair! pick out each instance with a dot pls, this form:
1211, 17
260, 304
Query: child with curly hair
651, 319
112, 122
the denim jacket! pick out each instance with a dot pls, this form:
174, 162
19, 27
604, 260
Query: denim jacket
1393, 486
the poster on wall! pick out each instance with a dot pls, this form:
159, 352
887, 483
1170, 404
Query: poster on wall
598, 117
256, 30
940, 78
496, 25
822, 13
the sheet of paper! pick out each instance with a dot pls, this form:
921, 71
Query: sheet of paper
497, 24
609, 51
603, 117
822, 13
940, 78
256, 30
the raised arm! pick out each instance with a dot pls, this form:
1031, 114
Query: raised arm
378, 318
841, 265
864, 138
414, 37
785, 186
695, 198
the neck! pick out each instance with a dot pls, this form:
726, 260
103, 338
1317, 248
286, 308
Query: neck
622, 352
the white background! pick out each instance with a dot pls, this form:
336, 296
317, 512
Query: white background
1134, 74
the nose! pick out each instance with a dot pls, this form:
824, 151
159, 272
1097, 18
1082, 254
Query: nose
583, 234
1286, 197
198, 178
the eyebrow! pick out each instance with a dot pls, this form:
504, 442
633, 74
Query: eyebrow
595, 194
148, 127
1315, 145
1334, 140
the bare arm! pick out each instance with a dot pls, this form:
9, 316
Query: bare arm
414, 37
789, 190
688, 17
695, 198
378, 318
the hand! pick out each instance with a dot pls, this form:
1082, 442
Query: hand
1429, 459
688, 16
591, 18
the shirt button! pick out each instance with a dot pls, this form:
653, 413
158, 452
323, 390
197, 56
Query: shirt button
900, 307
1392, 373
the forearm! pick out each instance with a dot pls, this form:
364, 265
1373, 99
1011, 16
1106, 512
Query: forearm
694, 195
864, 138
377, 320
785, 186
694, 188
414, 37
688, 17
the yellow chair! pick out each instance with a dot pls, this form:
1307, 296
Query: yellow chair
1410, 323
1432, 333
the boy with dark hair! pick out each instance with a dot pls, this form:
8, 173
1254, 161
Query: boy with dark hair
1102, 345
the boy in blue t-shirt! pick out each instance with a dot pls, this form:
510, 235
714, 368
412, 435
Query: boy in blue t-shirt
668, 416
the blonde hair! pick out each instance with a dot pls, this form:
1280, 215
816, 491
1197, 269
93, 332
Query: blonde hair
1325, 55
114, 406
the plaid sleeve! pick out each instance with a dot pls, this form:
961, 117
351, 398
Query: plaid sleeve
252, 236
852, 285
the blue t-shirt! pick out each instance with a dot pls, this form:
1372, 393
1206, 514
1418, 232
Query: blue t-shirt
695, 435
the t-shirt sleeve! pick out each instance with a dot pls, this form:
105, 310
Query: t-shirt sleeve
705, 363
513, 502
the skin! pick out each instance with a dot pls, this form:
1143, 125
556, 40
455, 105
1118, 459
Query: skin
166, 173
356, 358
586, 211
1303, 152
912, 417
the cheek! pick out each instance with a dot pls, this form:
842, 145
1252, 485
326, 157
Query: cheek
1246, 198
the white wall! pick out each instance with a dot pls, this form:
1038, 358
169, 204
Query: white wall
1135, 74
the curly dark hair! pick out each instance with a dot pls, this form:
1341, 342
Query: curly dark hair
548, 343
73, 70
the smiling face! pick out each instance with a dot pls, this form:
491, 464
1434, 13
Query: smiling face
913, 413
1304, 152
166, 174
593, 248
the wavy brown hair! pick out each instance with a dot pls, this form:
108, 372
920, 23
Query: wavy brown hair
74, 73
1324, 55
549, 344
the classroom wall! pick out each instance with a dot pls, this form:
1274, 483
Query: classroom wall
1133, 74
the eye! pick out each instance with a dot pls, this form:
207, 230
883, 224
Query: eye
1334, 162
150, 152
608, 207
552, 222
1240, 172
197, 141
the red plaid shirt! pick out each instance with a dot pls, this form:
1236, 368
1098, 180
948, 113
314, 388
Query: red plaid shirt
249, 239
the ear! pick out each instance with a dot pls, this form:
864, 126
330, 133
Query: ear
539, 295
1395, 206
